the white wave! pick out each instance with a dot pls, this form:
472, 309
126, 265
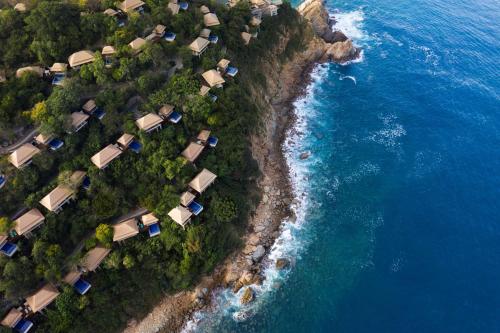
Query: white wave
349, 77
390, 133
358, 60
390, 38
351, 24
429, 56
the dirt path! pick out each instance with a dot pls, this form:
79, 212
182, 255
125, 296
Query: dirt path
28, 137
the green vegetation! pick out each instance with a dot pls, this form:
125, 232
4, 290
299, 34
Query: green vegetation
136, 274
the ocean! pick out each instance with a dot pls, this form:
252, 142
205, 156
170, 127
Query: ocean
398, 217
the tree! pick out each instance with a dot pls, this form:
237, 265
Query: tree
173, 167
39, 112
5, 225
104, 234
55, 29
128, 261
44, 160
223, 209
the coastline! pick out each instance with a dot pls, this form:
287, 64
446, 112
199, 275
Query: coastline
244, 266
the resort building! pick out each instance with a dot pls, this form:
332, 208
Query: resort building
205, 33
204, 90
174, 8
204, 9
205, 139
57, 198
186, 198
110, 12
28, 222
192, 151
213, 78
210, 20
39, 71
203, 180
20, 7
131, 5
150, 222
42, 298
137, 45
199, 45
246, 37
80, 58
14, 320
59, 67
78, 121
255, 21
125, 230
125, 140
106, 156
23, 155
94, 257
149, 122
180, 215
108, 50
89, 106
222, 65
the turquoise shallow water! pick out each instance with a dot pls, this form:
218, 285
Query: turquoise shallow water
398, 223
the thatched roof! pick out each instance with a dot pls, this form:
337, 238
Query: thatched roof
125, 139
199, 45
12, 318
124, 230
106, 155
56, 197
80, 58
246, 37
42, 298
174, 8
23, 155
180, 215
130, 5
203, 180
94, 257
28, 221
108, 50
213, 78
210, 20
148, 122
192, 151
149, 219
29, 69
59, 67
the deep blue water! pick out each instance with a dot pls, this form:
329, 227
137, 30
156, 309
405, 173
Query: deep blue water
399, 224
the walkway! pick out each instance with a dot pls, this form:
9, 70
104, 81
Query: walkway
28, 137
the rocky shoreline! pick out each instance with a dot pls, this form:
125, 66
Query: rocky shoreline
243, 268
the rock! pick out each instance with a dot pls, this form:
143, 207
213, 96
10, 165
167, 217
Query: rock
342, 51
259, 228
247, 296
253, 240
249, 249
305, 155
237, 286
265, 198
282, 263
132, 323
258, 253
231, 276
334, 37
246, 278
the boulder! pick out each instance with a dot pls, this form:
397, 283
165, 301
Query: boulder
305, 155
231, 276
282, 263
237, 286
248, 296
258, 253
342, 51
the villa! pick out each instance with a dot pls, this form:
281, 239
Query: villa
14, 320
106, 156
210, 20
42, 298
39, 71
174, 8
204, 9
94, 257
213, 78
199, 45
57, 198
80, 58
125, 230
6, 247
89, 106
74, 278
23, 155
202, 181
246, 37
108, 50
28, 222
149, 122
78, 120
137, 45
180, 215
192, 151
150, 221
59, 67
131, 5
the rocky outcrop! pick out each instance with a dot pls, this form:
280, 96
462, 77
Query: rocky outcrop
282, 263
248, 296
342, 51
338, 47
